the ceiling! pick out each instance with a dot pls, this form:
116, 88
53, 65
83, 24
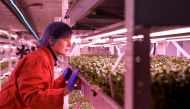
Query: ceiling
39, 13
86, 16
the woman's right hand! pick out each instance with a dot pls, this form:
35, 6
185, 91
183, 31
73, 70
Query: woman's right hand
72, 80
67, 73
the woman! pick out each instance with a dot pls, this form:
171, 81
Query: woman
31, 84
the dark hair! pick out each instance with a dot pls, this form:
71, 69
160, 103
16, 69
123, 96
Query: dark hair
54, 30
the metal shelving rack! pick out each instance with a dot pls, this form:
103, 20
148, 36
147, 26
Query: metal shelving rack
137, 85
140, 17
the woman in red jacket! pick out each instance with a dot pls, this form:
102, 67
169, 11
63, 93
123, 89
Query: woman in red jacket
31, 84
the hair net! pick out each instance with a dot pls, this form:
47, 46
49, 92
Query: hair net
54, 30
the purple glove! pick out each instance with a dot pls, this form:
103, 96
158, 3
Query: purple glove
72, 80
67, 73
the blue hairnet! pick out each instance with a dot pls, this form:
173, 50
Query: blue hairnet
55, 30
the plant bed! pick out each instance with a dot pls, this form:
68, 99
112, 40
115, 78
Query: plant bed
170, 79
4, 65
76, 100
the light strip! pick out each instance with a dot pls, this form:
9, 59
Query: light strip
34, 33
11, 35
184, 39
77, 40
13, 58
124, 38
120, 39
4, 59
170, 32
5, 46
154, 34
5, 32
96, 45
138, 37
158, 39
178, 37
102, 40
14, 36
120, 31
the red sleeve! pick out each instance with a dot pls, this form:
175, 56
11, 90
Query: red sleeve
34, 84
59, 83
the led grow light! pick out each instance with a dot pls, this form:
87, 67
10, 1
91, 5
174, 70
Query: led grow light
5, 32
120, 39
183, 39
154, 34
170, 32
124, 38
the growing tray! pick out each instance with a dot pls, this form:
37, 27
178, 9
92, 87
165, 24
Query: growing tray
95, 95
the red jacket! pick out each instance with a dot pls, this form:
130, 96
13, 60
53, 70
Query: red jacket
31, 84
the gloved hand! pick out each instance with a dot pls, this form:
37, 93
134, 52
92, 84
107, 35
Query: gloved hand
72, 80
67, 73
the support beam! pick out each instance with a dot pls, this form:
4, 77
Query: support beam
152, 52
180, 49
118, 50
178, 52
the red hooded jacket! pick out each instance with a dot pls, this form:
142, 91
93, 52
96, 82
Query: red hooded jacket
31, 84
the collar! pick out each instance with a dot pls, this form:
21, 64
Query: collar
53, 54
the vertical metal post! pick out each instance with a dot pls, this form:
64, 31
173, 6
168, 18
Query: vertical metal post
129, 75
137, 77
141, 74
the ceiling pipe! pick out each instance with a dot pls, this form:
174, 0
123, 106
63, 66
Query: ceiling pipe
14, 8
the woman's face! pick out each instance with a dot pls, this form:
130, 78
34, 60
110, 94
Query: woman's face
62, 45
